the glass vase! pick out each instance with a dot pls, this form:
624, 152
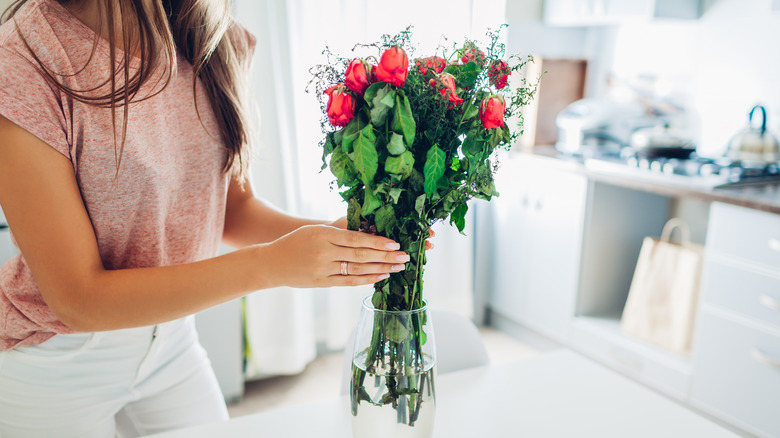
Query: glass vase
392, 389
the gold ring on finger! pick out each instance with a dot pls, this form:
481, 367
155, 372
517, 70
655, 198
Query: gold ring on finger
344, 268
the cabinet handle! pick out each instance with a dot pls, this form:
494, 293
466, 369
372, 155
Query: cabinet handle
774, 244
770, 302
763, 358
3, 226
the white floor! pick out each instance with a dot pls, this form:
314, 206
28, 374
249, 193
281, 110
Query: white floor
322, 378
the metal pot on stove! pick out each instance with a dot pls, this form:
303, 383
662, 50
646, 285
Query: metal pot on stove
754, 143
661, 142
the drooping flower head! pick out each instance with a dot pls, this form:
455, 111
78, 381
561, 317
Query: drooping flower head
393, 67
470, 52
498, 73
341, 105
445, 83
359, 75
431, 64
491, 111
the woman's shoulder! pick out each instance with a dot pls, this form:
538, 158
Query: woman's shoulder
43, 31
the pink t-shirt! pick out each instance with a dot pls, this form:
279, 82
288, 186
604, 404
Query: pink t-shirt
167, 206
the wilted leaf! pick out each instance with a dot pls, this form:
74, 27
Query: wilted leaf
384, 218
353, 214
400, 165
370, 203
395, 193
342, 167
396, 144
366, 159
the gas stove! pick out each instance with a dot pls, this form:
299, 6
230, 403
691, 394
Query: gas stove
695, 171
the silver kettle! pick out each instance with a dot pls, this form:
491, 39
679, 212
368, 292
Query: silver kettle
754, 143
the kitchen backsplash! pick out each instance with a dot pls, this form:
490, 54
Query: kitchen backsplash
719, 66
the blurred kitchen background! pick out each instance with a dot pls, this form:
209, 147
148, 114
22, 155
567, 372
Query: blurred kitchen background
647, 110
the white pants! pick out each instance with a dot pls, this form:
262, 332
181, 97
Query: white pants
128, 383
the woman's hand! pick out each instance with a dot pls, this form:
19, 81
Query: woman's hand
323, 256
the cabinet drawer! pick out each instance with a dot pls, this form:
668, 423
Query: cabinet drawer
602, 340
737, 372
755, 295
744, 233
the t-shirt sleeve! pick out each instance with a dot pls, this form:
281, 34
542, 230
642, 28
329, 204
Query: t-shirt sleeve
28, 100
244, 38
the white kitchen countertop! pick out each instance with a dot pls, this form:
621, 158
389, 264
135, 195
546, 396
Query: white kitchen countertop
556, 394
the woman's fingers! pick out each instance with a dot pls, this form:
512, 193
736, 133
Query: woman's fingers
352, 268
356, 239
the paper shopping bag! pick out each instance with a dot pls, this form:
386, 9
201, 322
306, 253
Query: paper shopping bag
661, 304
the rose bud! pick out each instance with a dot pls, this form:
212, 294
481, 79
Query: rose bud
431, 63
445, 82
498, 74
359, 74
491, 112
471, 53
393, 67
341, 105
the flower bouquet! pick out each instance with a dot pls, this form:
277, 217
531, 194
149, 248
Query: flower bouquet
410, 143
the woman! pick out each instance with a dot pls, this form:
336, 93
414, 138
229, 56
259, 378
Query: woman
123, 156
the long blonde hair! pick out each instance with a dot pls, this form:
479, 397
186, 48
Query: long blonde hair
202, 31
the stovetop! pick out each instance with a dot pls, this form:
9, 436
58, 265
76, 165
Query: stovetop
695, 171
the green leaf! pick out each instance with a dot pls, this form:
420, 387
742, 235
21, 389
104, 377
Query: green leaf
370, 202
327, 149
468, 74
342, 167
385, 220
372, 90
470, 111
388, 99
395, 193
419, 204
433, 169
458, 216
350, 134
395, 330
379, 108
400, 165
396, 144
403, 119
365, 156
353, 214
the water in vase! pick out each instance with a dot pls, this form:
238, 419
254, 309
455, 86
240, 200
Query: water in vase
392, 406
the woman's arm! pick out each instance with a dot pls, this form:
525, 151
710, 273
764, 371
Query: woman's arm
43, 206
249, 220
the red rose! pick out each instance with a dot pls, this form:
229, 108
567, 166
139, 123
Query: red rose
498, 74
393, 67
359, 75
471, 53
431, 63
491, 112
341, 105
445, 82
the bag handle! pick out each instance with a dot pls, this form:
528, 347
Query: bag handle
671, 224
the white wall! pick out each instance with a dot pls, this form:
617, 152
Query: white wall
722, 64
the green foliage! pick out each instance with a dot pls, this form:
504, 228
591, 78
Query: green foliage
410, 158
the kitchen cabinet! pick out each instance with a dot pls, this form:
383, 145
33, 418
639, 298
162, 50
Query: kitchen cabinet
736, 370
601, 12
573, 290
538, 222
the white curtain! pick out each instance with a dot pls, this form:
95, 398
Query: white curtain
287, 327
